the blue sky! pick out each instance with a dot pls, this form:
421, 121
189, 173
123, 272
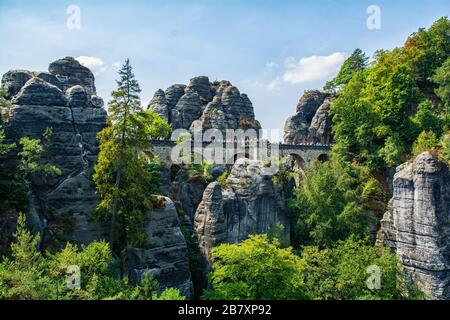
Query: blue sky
271, 50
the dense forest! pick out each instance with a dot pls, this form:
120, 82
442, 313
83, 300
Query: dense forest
386, 110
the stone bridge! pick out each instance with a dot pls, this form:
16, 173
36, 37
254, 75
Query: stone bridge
299, 155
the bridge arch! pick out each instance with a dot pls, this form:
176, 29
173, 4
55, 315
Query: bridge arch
323, 157
296, 162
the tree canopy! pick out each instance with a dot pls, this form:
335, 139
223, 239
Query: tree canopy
122, 175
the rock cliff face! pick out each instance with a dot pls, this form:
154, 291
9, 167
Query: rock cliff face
64, 99
204, 105
246, 204
417, 224
61, 209
311, 123
165, 254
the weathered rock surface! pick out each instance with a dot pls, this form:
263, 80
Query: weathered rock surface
202, 105
41, 93
165, 254
96, 102
210, 223
248, 204
50, 78
417, 224
187, 190
320, 128
202, 87
61, 207
311, 123
174, 93
213, 117
187, 109
14, 80
159, 105
71, 73
77, 97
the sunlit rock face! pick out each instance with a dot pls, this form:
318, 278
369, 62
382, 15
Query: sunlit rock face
203, 105
310, 123
246, 204
417, 224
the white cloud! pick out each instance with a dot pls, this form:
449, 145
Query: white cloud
96, 65
271, 64
117, 65
313, 68
274, 85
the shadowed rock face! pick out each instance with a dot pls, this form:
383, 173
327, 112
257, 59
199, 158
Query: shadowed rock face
71, 73
14, 80
187, 109
61, 208
248, 204
41, 93
165, 254
311, 123
77, 97
417, 224
202, 105
159, 105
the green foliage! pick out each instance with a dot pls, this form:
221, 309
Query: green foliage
5, 106
356, 62
23, 277
196, 262
427, 119
222, 179
442, 78
153, 168
392, 152
328, 205
169, 294
256, 269
33, 165
426, 141
123, 173
207, 170
30, 275
201, 171
341, 273
445, 143
427, 50
30, 163
4, 147
372, 113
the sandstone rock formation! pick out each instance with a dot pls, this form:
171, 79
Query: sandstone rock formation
187, 190
417, 224
77, 97
71, 73
165, 254
41, 93
311, 123
159, 105
247, 204
60, 208
203, 105
14, 80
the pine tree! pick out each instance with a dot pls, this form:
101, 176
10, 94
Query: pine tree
356, 62
120, 175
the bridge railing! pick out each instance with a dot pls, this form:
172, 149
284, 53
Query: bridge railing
251, 144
